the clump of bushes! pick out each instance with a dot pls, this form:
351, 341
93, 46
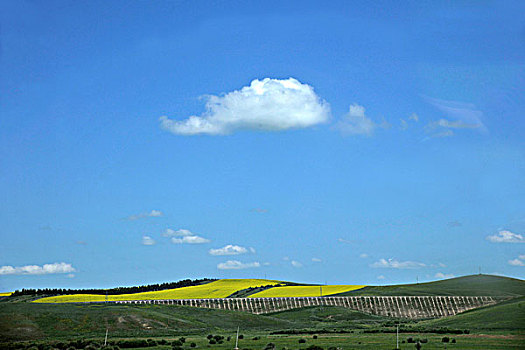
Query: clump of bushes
302, 340
445, 339
314, 347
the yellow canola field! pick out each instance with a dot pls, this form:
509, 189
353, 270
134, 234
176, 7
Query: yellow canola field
6, 294
216, 289
303, 291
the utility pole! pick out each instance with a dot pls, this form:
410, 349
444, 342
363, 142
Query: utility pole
397, 336
237, 340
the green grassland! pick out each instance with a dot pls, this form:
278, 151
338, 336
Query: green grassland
500, 326
473, 285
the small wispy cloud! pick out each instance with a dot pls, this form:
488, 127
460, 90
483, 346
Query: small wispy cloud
519, 261
190, 240
404, 124
46, 269
459, 115
454, 223
176, 233
184, 236
151, 214
395, 264
363, 255
237, 265
346, 241
516, 262
231, 250
260, 210
505, 236
296, 263
268, 104
355, 122
380, 277
316, 260
147, 240
442, 275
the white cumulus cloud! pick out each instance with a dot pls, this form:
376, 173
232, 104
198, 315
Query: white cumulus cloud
147, 240
37, 270
237, 265
505, 236
443, 275
268, 104
395, 264
355, 122
230, 250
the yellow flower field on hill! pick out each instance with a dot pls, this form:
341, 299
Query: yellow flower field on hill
6, 294
216, 289
303, 291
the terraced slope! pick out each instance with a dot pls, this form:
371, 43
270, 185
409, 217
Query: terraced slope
304, 291
473, 285
216, 289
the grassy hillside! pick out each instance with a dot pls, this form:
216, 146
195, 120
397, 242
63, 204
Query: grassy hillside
504, 316
474, 285
57, 321
303, 291
217, 289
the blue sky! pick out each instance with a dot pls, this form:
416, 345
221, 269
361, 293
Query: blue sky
144, 142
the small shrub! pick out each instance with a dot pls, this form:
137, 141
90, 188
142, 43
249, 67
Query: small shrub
182, 340
445, 339
213, 341
270, 346
229, 338
241, 336
314, 337
176, 343
424, 340
314, 347
256, 338
301, 341
466, 331
163, 342
453, 340
209, 336
192, 345
410, 340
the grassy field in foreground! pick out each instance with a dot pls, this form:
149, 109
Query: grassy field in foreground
343, 341
473, 285
303, 291
217, 289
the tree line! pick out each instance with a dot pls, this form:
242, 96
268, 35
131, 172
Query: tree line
117, 290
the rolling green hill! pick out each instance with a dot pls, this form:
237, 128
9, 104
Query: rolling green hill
473, 285
504, 316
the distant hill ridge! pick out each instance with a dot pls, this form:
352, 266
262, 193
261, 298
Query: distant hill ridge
472, 285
